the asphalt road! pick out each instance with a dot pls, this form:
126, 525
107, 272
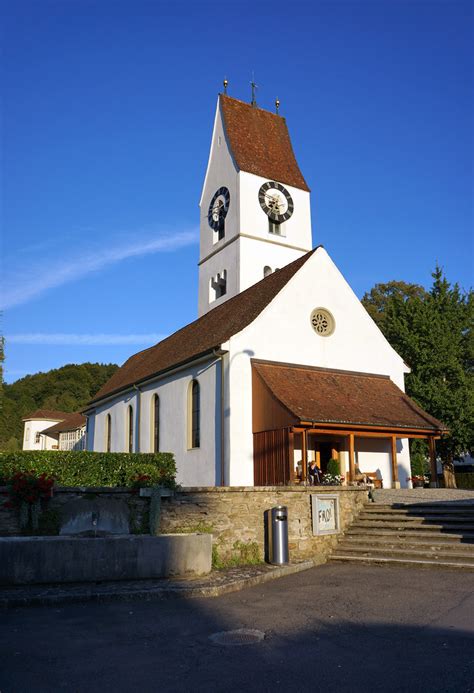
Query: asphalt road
332, 628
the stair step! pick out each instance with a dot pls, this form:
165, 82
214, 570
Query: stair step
404, 534
406, 526
421, 508
429, 544
388, 551
401, 561
425, 517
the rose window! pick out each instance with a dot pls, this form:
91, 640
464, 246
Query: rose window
322, 322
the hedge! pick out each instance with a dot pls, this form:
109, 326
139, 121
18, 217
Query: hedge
71, 468
465, 480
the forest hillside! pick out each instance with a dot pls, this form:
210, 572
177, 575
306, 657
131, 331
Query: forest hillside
63, 389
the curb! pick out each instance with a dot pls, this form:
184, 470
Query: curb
216, 584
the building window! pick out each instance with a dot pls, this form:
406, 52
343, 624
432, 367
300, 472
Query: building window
155, 416
194, 415
275, 228
218, 286
108, 433
38, 437
130, 429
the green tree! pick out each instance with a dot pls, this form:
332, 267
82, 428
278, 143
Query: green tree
64, 389
432, 332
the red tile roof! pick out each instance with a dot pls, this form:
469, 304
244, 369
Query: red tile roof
203, 335
47, 414
70, 423
260, 142
324, 396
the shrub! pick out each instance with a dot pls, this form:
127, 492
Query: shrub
465, 480
71, 468
334, 468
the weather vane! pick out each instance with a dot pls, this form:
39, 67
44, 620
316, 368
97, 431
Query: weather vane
277, 105
254, 87
225, 83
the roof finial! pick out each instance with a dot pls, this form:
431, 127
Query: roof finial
225, 83
254, 87
277, 105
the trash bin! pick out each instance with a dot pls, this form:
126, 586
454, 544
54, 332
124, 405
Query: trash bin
277, 523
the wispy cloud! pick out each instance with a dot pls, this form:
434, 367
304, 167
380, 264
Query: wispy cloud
67, 339
33, 281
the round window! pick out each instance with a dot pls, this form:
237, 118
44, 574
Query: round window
323, 322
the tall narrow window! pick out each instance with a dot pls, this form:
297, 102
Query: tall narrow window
108, 432
155, 421
130, 429
194, 415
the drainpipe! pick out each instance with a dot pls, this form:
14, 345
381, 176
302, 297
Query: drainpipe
137, 433
221, 353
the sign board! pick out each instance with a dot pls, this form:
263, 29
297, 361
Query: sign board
325, 511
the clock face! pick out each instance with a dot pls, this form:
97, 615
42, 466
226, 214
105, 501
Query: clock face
218, 208
276, 201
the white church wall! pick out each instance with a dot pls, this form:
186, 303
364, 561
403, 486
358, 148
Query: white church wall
283, 332
296, 231
195, 467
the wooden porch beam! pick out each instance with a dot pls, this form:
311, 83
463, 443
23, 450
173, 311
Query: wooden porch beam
351, 458
400, 432
291, 455
304, 454
434, 470
361, 434
395, 481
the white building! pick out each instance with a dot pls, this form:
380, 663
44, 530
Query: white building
54, 430
284, 365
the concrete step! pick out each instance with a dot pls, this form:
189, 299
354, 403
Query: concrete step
394, 541
414, 563
405, 534
407, 552
407, 526
425, 517
437, 508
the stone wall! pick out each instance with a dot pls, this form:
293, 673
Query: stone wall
236, 514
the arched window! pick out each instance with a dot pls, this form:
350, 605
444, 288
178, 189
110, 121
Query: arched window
267, 270
194, 415
108, 433
155, 423
130, 429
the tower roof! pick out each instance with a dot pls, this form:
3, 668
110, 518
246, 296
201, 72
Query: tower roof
260, 142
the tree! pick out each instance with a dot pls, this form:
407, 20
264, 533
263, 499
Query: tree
432, 331
65, 389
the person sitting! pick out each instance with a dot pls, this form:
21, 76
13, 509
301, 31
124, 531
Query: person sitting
313, 474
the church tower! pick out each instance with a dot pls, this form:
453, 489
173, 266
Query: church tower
255, 204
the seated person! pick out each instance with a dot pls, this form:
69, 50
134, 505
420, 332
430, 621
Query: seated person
313, 474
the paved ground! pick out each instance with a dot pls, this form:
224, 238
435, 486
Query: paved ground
332, 628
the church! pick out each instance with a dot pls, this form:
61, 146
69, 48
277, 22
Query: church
283, 366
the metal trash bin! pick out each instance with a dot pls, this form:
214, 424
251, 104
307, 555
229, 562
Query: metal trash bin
277, 524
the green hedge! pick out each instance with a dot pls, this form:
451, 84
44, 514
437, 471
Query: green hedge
465, 480
70, 468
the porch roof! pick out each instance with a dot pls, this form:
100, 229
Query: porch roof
325, 396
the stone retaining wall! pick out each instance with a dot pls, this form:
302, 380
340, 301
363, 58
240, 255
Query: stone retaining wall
236, 514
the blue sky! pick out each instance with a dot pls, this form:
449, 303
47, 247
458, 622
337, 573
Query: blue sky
107, 120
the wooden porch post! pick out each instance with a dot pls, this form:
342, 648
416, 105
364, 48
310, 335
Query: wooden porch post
304, 451
395, 482
351, 458
434, 471
291, 454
